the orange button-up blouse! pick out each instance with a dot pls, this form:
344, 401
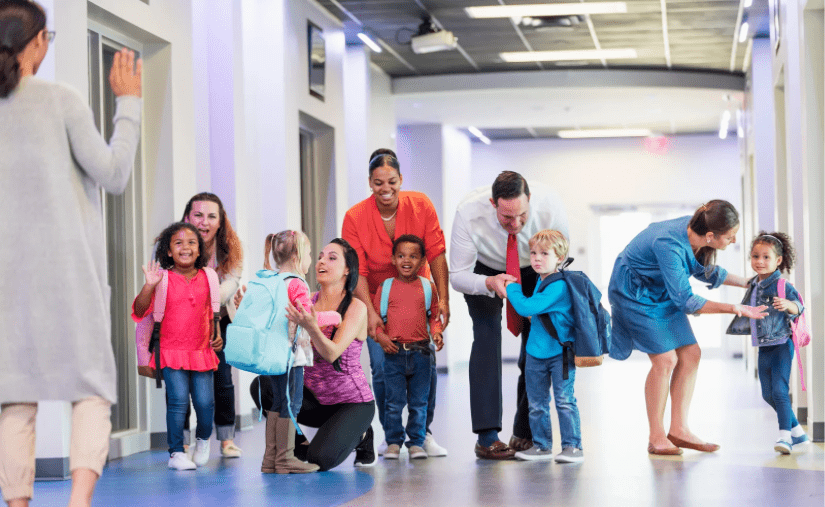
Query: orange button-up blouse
364, 230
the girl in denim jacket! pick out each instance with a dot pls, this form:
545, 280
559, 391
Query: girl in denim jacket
772, 253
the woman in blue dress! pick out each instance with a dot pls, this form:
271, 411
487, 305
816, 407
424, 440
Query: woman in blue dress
650, 297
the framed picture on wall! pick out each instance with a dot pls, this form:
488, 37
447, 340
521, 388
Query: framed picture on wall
317, 60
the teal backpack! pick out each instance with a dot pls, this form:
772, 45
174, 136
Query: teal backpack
385, 297
257, 340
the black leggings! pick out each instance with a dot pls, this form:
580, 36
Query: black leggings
340, 428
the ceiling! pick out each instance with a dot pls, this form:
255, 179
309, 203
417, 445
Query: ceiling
700, 34
690, 37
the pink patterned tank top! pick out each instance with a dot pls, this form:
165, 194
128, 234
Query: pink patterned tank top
331, 386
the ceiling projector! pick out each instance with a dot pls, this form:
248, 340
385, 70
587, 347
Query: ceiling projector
430, 40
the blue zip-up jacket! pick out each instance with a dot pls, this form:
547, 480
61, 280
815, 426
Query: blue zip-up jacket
775, 329
555, 301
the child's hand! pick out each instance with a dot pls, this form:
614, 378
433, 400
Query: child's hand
217, 342
153, 273
389, 346
438, 339
784, 305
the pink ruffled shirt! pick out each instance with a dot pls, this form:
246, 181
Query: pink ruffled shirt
186, 327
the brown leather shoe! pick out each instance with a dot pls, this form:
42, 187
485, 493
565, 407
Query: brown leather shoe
678, 442
667, 451
520, 444
498, 451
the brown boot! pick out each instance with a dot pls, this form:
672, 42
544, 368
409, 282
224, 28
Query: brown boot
271, 452
285, 460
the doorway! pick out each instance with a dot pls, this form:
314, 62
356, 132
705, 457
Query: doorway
317, 148
122, 223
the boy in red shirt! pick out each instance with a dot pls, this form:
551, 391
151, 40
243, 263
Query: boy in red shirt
407, 371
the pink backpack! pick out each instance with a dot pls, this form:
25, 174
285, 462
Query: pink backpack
147, 330
801, 333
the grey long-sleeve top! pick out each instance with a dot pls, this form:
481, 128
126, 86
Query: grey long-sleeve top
55, 342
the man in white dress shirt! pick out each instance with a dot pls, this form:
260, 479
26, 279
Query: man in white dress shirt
488, 223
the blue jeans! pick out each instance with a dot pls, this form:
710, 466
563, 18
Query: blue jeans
280, 384
179, 385
540, 375
774, 368
407, 378
378, 390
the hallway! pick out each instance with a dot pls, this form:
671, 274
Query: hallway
617, 471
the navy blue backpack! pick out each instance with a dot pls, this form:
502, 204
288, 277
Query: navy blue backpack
591, 322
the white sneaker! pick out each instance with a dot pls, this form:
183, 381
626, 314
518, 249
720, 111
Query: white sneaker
432, 447
382, 448
179, 461
201, 452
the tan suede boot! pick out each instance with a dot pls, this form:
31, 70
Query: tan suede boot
285, 460
271, 452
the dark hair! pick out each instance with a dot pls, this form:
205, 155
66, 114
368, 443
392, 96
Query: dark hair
382, 157
228, 249
782, 247
351, 261
718, 217
409, 238
509, 185
164, 244
20, 22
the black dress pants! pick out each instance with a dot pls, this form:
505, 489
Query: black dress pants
485, 359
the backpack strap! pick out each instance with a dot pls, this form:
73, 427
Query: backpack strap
781, 285
568, 356
428, 294
157, 314
385, 298
215, 297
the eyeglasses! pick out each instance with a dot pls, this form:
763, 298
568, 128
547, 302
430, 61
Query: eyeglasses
50, 35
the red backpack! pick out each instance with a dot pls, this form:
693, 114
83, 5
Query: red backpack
147, 330
801, 332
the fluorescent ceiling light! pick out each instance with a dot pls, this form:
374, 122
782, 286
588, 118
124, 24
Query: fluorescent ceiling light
590, 133
724, 125
743, 32
748, 3
369, 42
551, 56
539, 10
481, 137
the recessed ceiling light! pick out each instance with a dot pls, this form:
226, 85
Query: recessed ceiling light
591, 133
539, 10
481, 137
743, 32
585, 54
369, 42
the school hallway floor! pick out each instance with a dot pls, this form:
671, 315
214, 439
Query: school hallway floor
617, 471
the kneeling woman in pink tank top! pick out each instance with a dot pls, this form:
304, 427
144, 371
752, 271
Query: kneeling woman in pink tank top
337, 397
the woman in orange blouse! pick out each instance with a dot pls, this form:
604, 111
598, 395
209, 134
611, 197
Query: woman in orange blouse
370, 227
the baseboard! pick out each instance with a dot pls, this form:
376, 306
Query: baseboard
802, 415
52, 469
442, 369
819, 432
158, 440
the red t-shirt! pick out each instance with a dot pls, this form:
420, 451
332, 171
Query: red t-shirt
406, 313
365, 231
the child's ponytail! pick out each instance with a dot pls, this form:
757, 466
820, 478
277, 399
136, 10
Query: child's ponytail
283, 247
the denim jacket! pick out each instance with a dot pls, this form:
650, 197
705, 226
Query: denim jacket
775, 329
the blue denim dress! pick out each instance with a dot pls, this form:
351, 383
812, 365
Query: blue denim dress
650, 294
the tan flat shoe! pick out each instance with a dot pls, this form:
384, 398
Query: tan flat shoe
678, 442
667, 451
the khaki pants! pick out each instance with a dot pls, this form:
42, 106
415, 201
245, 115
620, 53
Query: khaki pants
91, 426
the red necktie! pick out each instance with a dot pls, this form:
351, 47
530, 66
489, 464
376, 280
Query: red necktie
513, 319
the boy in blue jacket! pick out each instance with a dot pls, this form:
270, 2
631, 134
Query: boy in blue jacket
544, 354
